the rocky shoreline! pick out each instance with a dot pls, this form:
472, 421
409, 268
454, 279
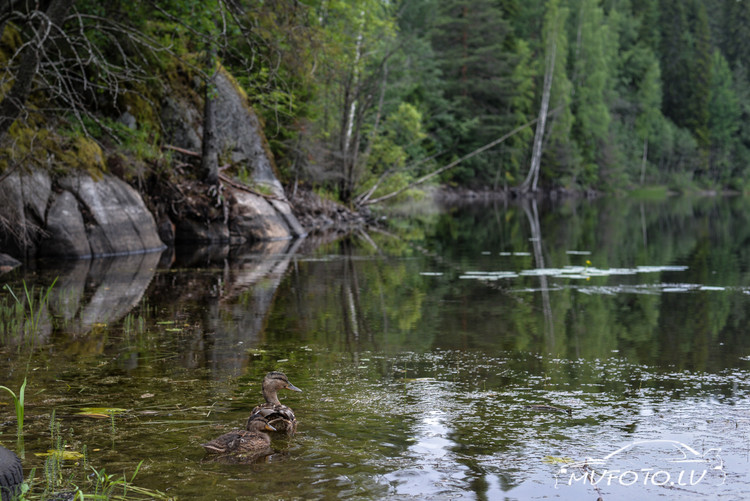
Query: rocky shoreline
320, 216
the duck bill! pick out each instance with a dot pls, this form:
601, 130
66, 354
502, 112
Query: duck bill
290, 386
269, 427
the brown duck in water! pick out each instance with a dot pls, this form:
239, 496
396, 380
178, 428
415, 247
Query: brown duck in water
243, 445
274, 412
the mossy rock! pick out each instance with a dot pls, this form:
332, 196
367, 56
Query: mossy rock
84, 154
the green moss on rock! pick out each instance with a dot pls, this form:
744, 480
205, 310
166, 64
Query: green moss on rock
84, 154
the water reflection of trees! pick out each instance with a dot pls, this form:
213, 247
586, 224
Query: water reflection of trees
229, 297
532, 214
357, 299
707, 235
360, 294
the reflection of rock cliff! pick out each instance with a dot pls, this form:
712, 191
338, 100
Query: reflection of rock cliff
89, 294
101, 291
235, 295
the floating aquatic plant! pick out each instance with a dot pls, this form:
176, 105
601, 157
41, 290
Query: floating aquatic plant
569, 272
100, 412
62, 455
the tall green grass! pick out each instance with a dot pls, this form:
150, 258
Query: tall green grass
18, 402
67, 474
23, 317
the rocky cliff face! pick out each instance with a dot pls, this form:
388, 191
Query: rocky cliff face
80, 216
252, 215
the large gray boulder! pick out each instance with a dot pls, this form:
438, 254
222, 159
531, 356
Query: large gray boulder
76, 216
254, 218
119, 222
22, 208
66, 229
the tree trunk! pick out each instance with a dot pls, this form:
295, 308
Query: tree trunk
15, 100
209, 153
643, 160
351, 138
434, 173
530, 183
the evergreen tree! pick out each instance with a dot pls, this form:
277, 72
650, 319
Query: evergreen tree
675, 55
646, 12
591, 81
698, 99
741, 178
648, 99
736, 42
415, 76
471, 41
724, 119
686, 68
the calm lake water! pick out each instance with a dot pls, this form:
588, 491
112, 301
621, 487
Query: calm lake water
591, 349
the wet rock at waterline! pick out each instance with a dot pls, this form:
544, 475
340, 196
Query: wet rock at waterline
118, 221
241, 217
66, 228
257, 217
7, 263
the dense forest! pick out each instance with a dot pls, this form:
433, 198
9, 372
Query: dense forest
362, 97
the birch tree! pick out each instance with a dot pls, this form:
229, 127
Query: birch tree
360, 39
555, 47
648, 102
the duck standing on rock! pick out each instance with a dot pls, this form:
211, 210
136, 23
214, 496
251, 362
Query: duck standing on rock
274, 412
243, 446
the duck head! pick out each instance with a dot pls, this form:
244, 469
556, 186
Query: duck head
259, 423
273, 382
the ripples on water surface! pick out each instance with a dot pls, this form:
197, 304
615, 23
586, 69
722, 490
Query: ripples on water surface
478, 354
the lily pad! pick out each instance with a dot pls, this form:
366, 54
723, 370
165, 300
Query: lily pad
64, 455
100, 412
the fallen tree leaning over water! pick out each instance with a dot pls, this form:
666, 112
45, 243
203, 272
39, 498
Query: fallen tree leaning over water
366, 201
